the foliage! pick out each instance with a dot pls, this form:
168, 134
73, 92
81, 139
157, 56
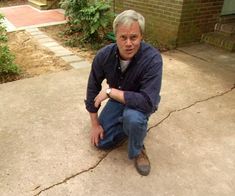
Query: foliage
6, 62
94, 18
72, 8
3, 32
91, 19
7, 66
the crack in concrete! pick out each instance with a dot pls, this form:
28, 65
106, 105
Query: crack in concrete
195, 56
191, 105
160, 122
36, 188
75, 175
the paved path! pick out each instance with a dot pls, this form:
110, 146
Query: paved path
65, 54
25, 17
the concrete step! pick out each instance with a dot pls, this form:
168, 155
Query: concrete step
220, 40
38, 4
44, 4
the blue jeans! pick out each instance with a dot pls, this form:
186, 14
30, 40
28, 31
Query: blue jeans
120, 122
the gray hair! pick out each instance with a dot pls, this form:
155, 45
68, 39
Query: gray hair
127, 18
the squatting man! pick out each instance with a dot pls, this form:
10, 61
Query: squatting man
133, 71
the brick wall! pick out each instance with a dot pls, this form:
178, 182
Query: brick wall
162, 18
198, 17
174, 22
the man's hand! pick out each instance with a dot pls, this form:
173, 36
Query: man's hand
97, 133
99, 98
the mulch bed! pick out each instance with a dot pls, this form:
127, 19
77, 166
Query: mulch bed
7, 3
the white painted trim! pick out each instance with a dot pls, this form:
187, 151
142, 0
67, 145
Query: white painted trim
9, 26
58, 10
39, 25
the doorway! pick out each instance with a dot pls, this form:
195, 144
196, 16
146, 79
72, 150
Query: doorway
228, 7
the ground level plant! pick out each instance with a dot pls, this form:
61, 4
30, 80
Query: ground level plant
8, 68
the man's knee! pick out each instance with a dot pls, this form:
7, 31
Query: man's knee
133, 118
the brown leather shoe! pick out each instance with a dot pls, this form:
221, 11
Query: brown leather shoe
142, 163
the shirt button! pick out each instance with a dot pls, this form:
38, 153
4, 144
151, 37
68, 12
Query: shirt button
119, 67
119, 87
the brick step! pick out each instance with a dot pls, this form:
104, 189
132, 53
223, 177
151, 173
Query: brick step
220, 40
227, 19
38, 4
228, 28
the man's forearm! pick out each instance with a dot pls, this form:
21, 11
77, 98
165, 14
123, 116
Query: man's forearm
117, 95
94, 119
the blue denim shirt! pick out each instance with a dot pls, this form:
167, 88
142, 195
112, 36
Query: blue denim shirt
141, 82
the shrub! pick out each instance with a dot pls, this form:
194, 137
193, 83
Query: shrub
92, 19
3, 32
72, 8
7, 65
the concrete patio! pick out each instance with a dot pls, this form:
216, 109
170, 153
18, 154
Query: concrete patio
44, 134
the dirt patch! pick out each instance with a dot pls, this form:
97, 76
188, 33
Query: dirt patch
31, 57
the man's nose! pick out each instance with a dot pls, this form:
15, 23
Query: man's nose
128, 41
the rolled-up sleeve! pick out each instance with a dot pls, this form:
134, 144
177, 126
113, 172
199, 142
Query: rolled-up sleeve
94, 83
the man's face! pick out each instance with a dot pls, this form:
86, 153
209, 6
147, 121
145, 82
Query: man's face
128, 40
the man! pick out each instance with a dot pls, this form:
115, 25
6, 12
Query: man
133, 71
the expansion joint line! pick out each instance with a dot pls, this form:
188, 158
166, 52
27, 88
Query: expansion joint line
74, 175
193, 55
191, 105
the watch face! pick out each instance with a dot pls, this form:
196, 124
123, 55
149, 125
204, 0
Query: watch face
108, 90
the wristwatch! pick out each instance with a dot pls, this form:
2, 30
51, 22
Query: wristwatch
108, 91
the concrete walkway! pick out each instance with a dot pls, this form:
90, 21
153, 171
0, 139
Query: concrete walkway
44, 132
